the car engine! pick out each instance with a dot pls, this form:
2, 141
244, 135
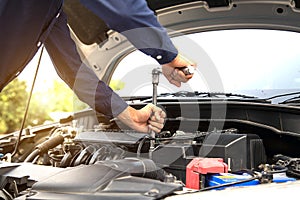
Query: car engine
89, 156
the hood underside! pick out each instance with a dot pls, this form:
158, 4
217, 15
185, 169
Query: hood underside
208, 138
104, 48
90, 29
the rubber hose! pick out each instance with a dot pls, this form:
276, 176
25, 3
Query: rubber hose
51, 143
44, 147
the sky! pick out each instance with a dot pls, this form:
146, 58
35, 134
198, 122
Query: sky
251, 54
46, 74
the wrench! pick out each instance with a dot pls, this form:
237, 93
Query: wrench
188, 70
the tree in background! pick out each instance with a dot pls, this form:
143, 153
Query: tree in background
14, 97
12, 105
116, 85
59, 98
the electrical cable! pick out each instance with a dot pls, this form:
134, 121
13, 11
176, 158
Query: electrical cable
28, 103
227, 184
279, 170
254, 177
139, 149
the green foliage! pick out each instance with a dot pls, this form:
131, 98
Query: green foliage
12, 105
117, 85
14, 97
60, 98
37, 113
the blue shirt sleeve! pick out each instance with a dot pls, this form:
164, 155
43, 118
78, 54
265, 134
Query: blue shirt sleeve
77, 75
136, 21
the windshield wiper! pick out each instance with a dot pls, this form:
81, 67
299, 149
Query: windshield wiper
196, 94
133, 98
211, 95
289, 100
206, 94
294, 100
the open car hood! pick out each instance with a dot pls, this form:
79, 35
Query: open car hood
87, 156
103, 48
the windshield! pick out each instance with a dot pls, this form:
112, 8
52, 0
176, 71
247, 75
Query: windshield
261, 63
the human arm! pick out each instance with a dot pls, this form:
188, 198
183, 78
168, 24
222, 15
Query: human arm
90, 89
135, 20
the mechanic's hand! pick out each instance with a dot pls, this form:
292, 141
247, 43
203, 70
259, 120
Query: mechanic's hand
173, 74
144, 120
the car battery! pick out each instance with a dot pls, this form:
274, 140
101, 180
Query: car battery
281, 178
228, 178
199, 168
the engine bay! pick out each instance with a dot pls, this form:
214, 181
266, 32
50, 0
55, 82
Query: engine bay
89, 156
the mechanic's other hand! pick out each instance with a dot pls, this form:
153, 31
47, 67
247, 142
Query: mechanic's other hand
144, 120
173, 74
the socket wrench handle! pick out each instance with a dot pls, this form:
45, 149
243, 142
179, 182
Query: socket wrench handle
188, 70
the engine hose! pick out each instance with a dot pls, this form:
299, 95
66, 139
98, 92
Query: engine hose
45, 146
32, 155
51, 143
85, 155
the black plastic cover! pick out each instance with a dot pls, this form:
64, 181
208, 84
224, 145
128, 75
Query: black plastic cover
239, 151
129, 138
100, 181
